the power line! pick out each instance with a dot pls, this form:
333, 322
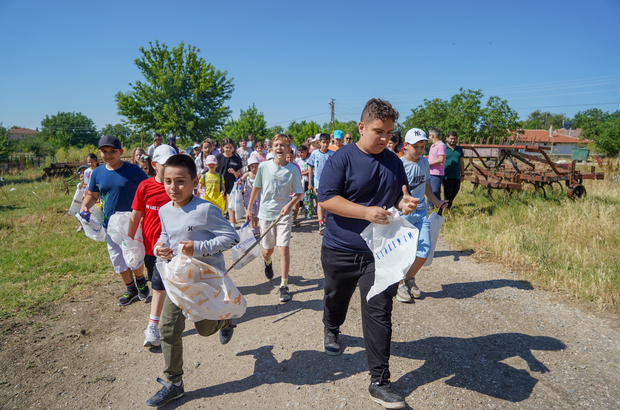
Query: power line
571, 105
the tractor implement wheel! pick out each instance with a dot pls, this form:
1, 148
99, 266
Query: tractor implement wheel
576, 191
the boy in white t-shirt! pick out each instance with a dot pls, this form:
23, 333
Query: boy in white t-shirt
275, 179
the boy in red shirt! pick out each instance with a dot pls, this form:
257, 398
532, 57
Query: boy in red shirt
150, 196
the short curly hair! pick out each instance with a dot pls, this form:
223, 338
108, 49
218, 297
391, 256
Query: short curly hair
378, 109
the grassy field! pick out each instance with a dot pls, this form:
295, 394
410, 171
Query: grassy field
558, 243
43, 258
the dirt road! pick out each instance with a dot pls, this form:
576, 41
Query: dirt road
479, 339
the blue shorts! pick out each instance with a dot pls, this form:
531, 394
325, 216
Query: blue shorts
419, 219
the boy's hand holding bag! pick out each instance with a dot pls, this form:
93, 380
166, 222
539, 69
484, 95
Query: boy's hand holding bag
394, 248
200, 290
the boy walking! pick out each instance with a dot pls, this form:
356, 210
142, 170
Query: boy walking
150, 197
116, 183
275, 180
418, 175
204, 233
316, 163
364, 180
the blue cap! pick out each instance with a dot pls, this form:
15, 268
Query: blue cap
338, 134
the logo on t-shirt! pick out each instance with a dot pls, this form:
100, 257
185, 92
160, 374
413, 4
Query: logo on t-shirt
190, 229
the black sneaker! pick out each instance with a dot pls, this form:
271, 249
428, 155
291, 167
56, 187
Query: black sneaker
331, 342
227, 334
285, 296
382, 393
167, 393
128, 297
143, 291
269, 270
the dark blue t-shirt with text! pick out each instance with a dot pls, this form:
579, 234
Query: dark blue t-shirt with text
365, 179
116, 188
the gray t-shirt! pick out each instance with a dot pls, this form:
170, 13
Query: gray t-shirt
202, 222
418, 174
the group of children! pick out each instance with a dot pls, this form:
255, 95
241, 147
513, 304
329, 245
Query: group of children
181, 205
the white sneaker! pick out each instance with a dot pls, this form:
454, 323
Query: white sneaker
413, 288
151, 336
402, 294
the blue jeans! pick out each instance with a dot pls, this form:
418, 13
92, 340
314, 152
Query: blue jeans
435, 183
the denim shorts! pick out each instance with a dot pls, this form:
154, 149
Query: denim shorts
419, 219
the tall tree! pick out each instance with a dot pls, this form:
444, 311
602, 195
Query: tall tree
542, 120
69, 129
250, 121
349, 126
465, 114
302, 130
182, 94
601, 127
4, 141
589, 119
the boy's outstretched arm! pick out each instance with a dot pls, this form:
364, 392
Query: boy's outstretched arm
429, 194
134, 223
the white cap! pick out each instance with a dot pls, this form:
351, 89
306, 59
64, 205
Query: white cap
415, 135
270, 156
162, 153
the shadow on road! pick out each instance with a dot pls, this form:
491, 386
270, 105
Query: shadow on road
470, 363
466, 290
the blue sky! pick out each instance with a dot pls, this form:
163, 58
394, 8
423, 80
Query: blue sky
290, 58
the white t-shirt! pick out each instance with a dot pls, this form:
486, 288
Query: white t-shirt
87, 174
303, 166
276, 184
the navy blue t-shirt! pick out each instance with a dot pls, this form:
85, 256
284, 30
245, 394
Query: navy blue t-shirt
116, 188
365, 179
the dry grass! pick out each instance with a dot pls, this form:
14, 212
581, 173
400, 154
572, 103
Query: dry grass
558, 243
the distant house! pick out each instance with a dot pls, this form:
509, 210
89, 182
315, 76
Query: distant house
18, 134
561, 141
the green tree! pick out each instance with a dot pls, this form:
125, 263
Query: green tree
601, 127
276, 129
250, 121
67, 129
542, 120
465, 114
302, 130
5, 148
349, 126
182, 94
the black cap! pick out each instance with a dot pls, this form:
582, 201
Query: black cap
109, 141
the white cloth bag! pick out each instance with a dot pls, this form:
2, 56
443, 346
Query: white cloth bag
133, 249
76, 203
235, 203
246, 240
92, 228
200, 290
394, 247
435, 222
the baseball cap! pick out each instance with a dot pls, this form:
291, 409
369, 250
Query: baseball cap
162, 153
253, 160
196, 146
316, 137
270, 156
171, 139
211, 160
415, 135
109, 141
338, 134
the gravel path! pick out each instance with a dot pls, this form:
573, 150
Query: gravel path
479, 339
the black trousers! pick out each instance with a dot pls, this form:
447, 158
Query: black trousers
343, 271
451, 187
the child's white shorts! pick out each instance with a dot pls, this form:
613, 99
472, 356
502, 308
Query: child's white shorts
116, 255
279, 235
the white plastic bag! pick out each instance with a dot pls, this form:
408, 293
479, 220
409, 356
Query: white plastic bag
246, 240
133, 249
235, 202
435, 222
394, 247
200, 290
92, 228
76, 203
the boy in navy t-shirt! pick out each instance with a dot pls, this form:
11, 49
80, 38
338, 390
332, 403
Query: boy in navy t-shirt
115, 184
359, 183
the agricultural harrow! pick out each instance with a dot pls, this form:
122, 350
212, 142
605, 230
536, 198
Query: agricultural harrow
509, 167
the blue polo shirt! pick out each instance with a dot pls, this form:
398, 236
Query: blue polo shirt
365, 179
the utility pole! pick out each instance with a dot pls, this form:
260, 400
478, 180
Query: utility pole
331, 122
